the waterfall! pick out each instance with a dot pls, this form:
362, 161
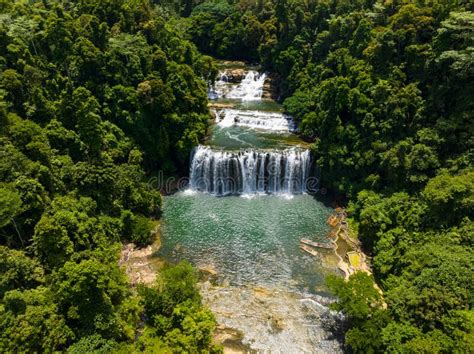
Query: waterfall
274, 121
251, 87
220, 88
249, 171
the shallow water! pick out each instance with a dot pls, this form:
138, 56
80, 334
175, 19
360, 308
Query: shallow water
265, 287
237, 137
247, 239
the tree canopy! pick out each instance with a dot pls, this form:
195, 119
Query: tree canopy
94, 96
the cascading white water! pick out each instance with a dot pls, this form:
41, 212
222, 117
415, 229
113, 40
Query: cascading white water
274, 121
249, 172
221, 87
251, 87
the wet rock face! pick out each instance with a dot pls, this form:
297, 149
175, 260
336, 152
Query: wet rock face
270, 87
235, 76
269, 319
208, 273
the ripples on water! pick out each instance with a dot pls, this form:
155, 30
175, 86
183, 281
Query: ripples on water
248, 239
266, 287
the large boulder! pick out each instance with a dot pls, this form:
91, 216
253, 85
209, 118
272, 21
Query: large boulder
235, 75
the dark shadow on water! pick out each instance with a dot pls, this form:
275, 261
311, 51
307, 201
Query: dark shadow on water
335, 327
323, 197
330, 198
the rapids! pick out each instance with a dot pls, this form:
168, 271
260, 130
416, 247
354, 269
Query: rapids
250, 89
274, 121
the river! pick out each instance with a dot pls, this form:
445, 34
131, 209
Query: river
241, 219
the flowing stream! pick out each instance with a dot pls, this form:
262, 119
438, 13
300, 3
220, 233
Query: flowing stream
240, 222
274, 121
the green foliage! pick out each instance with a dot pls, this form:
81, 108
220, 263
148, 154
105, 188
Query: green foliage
18, 271
177, 320
30, 321
435, 279
93, 343
363, 304
194, 330
218, 29
86, 110
383, 89
89, 294
10, 204
93, 95
358, 297
66, 228
137, 228
176, 284
451, 197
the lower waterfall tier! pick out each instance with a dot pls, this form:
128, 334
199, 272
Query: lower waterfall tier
249, 172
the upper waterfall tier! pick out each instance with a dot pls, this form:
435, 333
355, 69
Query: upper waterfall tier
249, 172
249, 89
273, 121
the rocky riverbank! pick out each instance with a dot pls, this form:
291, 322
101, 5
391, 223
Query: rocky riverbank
141, 263
347, 249
271, 87
269, 319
